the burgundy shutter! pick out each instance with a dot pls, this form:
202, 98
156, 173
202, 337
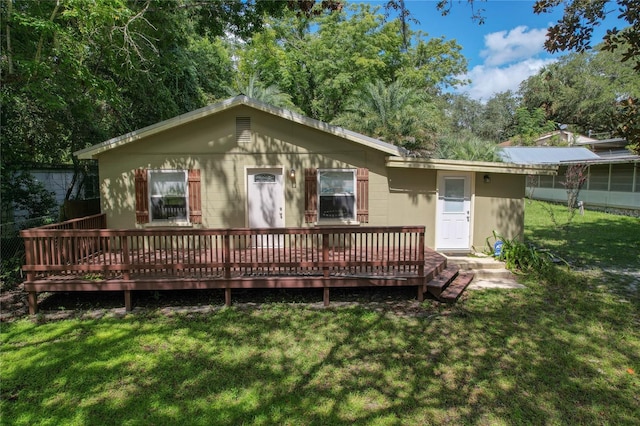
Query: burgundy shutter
195, 203
362, 201
142, 196
310, 195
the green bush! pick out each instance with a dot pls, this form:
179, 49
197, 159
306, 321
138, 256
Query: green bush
521, 257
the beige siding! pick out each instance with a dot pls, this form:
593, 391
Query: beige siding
209, 145
499, 206
397, 196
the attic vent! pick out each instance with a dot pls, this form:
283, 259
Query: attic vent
243, 129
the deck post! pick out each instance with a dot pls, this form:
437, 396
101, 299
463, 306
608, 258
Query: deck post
421, 254
325, 254
29, 255
125, 258
127, 301
33, 303
227, 296
226, 258
325, 296
420, 293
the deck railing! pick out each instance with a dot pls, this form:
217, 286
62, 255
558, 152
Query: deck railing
72, 251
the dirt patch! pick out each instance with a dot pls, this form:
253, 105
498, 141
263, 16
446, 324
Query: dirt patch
13, 304
55, 306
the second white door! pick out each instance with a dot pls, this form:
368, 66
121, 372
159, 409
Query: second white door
453, 223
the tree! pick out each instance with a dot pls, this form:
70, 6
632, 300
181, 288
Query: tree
470, 148
574, 32
575, 176
531, 123
346, 50
582, 90
499, 117
254, 88
395, 114
494, 121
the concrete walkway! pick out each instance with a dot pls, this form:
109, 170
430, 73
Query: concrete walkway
489, 273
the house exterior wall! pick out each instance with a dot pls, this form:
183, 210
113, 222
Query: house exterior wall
397, 196
498, 206
210, 145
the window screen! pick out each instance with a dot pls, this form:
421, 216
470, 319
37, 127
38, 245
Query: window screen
168, 195
337, 194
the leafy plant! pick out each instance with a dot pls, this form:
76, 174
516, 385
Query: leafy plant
521, 257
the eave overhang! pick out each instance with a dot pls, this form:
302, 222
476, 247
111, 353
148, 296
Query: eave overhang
472, 166
94, 151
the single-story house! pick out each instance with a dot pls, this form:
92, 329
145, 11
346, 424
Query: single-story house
241, 194
242, 163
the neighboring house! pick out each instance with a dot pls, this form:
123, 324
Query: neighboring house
242, 163
56, 180
613, 175
562, 137
557, 138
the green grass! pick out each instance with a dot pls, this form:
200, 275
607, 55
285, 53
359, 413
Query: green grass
594, 239
563, 351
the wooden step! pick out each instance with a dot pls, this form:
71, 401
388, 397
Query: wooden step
437, 285
453, 291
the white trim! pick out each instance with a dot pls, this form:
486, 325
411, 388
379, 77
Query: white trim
470, 177
472, 166
354, 220
168, 222
246, 190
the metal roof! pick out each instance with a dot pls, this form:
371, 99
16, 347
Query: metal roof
546, 155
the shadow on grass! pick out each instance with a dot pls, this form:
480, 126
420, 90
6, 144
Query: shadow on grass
552, 354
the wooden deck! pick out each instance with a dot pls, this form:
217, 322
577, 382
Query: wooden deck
83, 255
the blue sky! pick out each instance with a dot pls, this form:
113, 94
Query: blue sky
502, 52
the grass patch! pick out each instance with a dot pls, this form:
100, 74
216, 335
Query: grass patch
559, 352
594, 239
562, 351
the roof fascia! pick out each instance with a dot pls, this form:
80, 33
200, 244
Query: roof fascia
472, 166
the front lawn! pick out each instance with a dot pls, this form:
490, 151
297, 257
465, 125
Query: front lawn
556, 353
565, 350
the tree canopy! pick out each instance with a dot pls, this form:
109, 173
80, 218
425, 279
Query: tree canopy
76, 72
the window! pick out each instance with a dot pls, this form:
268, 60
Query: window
168, 196
599, 177
336, 195
622, 177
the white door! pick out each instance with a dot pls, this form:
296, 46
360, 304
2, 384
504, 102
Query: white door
453, 222
265, 202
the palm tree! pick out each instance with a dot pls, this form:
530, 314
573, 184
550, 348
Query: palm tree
392, 113
471, 148
255, 89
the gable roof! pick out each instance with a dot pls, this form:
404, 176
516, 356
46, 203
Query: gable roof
93, 151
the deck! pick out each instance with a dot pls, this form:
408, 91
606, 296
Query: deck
83, 255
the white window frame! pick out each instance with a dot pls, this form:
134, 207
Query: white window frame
185, 174
338, 220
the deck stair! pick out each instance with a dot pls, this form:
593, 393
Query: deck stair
485, 268
449, 284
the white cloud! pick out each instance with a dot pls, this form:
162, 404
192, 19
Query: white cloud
504, 47
486, 81
510, 57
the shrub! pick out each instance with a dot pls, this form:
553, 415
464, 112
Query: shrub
521, 257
